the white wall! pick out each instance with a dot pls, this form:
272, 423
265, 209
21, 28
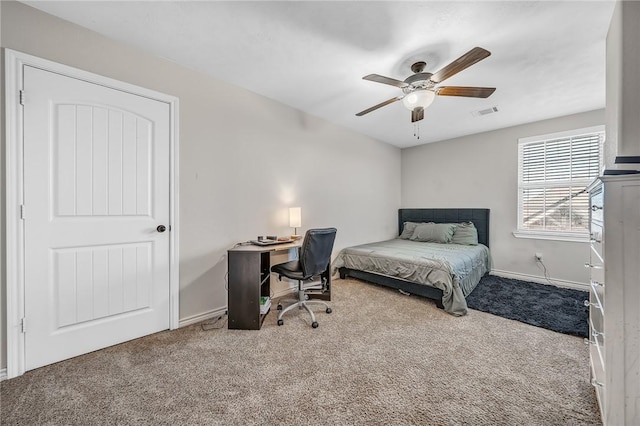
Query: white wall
623, 84
613, 85
482, 171
244, 159
3, 281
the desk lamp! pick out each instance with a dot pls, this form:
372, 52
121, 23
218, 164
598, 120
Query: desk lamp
295, 221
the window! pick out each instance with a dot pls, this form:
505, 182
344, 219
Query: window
553, 173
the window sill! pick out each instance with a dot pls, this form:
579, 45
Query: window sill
555, 236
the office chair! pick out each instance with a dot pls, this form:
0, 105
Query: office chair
314, 259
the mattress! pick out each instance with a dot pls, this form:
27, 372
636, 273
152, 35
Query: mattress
455, 269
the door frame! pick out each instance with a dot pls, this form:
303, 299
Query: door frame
14, 163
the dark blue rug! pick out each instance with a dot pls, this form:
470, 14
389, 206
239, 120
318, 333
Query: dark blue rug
547, 306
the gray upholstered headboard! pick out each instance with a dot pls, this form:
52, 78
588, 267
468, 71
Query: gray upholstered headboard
479, 217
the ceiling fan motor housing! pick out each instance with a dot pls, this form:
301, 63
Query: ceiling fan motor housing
421, 80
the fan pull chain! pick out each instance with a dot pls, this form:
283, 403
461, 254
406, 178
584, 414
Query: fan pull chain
416, 130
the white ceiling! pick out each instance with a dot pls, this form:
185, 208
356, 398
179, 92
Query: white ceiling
548, 57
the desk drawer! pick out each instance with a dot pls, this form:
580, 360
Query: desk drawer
596, 294
597, 372
596, 322
596, 270
596, 256
596, 238
596, 202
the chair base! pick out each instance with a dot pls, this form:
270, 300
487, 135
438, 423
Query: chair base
300, 303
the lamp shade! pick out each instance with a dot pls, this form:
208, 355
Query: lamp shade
418, 98
295, 217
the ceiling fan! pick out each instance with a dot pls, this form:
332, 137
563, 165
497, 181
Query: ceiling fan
419, 89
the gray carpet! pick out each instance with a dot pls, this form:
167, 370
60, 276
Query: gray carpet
379, 358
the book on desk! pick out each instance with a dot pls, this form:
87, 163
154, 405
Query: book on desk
265, 304
270, 241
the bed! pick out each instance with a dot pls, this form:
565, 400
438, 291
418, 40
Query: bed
446, 273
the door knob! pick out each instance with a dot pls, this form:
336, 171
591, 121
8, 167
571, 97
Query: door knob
161, 228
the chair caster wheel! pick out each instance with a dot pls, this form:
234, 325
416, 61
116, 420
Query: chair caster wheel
314, 324
279, 307
280, 322
329, 310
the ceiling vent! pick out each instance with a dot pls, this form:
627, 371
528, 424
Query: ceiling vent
485, 111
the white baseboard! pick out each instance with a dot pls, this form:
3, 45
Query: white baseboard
3, 374
194, 319
541, 280
285, 292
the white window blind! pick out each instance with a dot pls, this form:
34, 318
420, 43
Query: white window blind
554, 171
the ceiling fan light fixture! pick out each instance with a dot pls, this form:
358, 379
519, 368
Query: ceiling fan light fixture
418, 98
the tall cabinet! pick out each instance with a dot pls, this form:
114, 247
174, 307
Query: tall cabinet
614, 303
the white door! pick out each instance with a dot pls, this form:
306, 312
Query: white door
96, 189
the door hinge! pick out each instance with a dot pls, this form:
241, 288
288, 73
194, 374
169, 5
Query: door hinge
23, 325
21, 97
22, 215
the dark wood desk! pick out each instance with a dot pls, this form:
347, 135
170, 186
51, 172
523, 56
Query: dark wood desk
250, 277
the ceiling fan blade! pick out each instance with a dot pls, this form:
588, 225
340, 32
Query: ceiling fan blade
471, 57
385, 80
417, 114
380, 105
469, 92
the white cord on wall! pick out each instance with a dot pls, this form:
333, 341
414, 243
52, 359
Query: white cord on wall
539, 262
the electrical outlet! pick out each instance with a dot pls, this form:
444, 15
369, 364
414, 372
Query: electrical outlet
538, 257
